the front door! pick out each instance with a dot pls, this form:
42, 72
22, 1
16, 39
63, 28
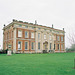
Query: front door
45, 47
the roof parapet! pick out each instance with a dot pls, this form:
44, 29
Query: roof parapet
37, 24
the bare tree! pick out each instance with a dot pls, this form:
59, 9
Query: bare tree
71, 38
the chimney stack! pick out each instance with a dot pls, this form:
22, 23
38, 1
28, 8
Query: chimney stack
63, 29
52, 25
4, 25
35, 21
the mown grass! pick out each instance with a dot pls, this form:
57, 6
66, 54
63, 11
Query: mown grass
37, 64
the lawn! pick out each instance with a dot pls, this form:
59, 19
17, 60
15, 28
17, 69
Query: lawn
37, 64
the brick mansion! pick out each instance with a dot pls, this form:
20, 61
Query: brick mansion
27, 37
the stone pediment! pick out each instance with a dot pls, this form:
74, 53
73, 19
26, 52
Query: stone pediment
45, 42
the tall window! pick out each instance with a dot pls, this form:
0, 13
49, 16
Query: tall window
54, 37
32, 27
19, 33
32, 45
8, 35
20, 25
19, 45
54, 46
38, 45
26, 26
32, 35
58, 38
38, 28
62, 47
26, 45
58, 46
61, 38
26, 34
50, 37
50, 46
38, 35
44, 36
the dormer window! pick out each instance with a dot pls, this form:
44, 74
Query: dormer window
32, 27
20, 25
26, 26
38, 28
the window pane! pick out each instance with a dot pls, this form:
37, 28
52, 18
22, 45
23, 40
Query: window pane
58, 38
26, 34
50, 37
38, 35
26, 26
61, 38
32, 35
62, 47
54, 46
50, 45
20, 25
38, 28
58, 46
38, 45
19, 45
26, 45
19, 33
44, 36
32, 27
32, 45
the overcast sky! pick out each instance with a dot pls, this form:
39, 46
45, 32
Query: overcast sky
60, 13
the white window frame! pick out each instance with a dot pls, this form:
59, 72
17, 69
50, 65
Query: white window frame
31, 45
26, 26
38, 28
50, 37
32, 34
32, 27
38, 35
20, 45
44, 36
20, 25
58, 38
62, 38
27, 44
50, 46
19, 33
38, 46
26, 36
62, 46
